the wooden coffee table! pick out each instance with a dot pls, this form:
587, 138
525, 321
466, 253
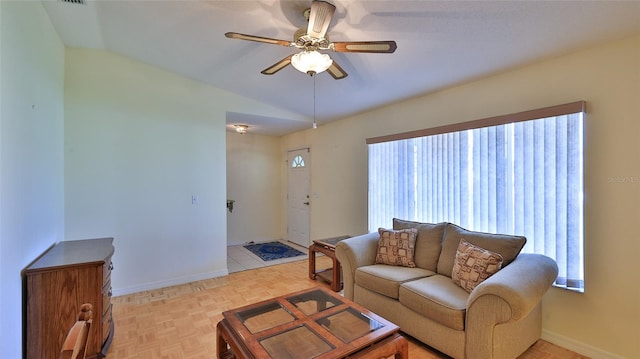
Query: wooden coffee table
314, 323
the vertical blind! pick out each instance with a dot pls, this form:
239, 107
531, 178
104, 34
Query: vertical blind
523, 178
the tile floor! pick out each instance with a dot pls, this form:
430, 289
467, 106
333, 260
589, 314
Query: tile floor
240, 258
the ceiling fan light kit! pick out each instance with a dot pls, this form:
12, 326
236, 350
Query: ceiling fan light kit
311, 62
314, 38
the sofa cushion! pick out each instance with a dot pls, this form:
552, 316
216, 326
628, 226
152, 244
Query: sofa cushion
437, 298
385, 279
397, 248
428, 241
507, 246
473, 265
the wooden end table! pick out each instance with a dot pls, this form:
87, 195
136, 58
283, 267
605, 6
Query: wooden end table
314, 323
332, 275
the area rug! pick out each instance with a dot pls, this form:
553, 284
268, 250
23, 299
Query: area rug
270, 251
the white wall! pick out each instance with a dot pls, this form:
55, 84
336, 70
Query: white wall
602, 322
254, 178
139, 143
31, 153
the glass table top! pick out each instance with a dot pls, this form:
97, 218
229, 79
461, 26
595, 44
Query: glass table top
313, 302
265, 317
331, 242
349, 324
297, 343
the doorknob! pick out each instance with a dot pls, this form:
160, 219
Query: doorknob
307, 203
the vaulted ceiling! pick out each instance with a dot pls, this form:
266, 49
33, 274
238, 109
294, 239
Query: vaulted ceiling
440, 44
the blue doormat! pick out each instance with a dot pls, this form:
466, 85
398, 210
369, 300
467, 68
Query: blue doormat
269, 251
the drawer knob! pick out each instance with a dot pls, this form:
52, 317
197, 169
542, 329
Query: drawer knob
110, 265
110, 292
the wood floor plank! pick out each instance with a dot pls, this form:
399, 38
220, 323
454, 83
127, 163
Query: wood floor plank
179, 322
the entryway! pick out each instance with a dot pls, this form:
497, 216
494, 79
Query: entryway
240, 259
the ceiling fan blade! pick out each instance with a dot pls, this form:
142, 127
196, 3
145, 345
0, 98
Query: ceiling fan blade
336, 71
386, 47
266, 40
319, 18
277, 66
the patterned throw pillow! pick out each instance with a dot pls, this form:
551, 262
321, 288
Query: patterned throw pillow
397, 248
473, 265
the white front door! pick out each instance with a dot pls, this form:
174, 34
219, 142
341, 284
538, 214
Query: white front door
298, 201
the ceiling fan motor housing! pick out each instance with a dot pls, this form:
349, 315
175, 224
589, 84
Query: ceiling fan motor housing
303, 40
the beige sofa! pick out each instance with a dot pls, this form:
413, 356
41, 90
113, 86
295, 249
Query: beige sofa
499, 318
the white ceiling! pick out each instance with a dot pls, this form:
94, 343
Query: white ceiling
440, 43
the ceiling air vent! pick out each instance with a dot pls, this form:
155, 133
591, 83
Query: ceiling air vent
79, 2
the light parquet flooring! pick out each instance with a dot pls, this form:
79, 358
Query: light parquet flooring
179, 322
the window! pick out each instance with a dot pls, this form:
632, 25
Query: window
297, 162
516, 174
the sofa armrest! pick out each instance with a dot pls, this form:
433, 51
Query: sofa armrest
353, 253
510, 295
521, 284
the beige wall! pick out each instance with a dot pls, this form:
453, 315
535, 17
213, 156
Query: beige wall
31, 153
603, 320
254, 177
338, 177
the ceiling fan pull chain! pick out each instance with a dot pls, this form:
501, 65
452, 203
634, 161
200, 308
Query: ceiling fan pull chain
315, 125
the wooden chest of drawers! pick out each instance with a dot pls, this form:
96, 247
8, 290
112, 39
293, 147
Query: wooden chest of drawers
57, 284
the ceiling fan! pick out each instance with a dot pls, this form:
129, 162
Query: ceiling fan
315, 38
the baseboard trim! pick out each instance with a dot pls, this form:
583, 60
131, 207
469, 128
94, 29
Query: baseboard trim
578, 347
167, 283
